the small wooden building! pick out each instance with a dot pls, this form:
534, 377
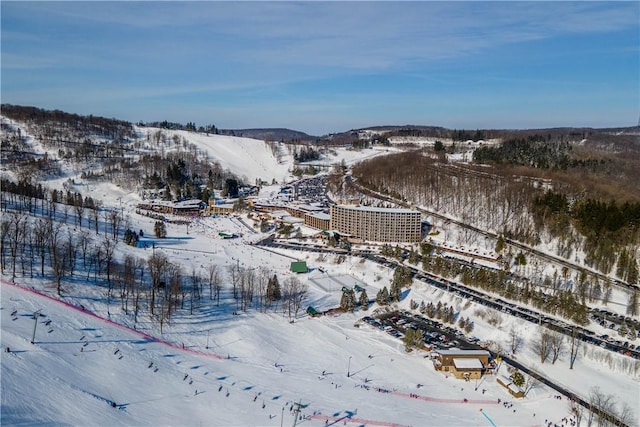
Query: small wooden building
513, 389
463, 364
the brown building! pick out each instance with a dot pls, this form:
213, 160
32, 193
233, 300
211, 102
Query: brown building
219, 209
463, 364
513, 389
377, 224
185, 207
319, 220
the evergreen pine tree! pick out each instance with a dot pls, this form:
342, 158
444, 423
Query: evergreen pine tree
273, 290
413, 338
500, 244
130, 237
451, 315
517, 378
348, 300
462, 323
632, 306
394, 291
408, 339
364, 300
469, 326
160, 230
413, 257
423, 308
431, 310
344, 303
382, 298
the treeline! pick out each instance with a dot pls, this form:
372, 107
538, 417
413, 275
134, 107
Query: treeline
183, 176
557, 300
611, 230
181, 170
466, 135
74, 138
25, 196
486, 200
592, 217
434, 132
190, 126
534, 150
108, 149
537, 152
602, 163
37, 243
516, 207
306, 154
50, 119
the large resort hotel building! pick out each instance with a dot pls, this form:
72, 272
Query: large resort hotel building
377, 224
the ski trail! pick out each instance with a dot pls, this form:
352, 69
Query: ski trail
350, 420
141, 334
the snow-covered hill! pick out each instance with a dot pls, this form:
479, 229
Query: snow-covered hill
255, 369
214, 367
254, 158
220, 369
245, 157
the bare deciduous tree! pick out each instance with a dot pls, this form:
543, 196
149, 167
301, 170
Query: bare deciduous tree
575, 344
109, 248
138, 289
556, 342
542, 344
128, 281
96, 216
4, 234
16, 230
599, 404
157, 264
293, 293
263, 281
196, 280
530, 383
515, 339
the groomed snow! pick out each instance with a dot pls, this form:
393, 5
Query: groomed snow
255, 368
258, 358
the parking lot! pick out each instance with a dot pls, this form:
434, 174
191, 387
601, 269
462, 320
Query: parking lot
437, 336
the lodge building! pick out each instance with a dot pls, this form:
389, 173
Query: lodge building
377, 224
463, 364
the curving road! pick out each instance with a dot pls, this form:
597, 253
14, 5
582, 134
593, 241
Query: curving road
514, 243
472, 294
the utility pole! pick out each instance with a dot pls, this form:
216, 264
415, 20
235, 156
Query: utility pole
282, 417
35, 325
296, 412
349, 368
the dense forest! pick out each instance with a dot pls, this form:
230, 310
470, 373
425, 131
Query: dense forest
109, 149
518, 197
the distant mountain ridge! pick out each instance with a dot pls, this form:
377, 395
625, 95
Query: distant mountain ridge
270, 134
113, 127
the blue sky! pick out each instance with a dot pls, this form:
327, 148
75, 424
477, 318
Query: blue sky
323, 67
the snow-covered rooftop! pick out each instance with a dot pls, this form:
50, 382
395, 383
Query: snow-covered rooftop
467, 363
377, 209
458, 352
